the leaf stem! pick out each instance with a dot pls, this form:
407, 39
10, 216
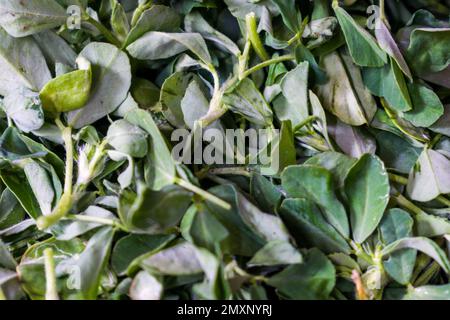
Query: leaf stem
65, 202
253, 36
307, 120
67, 137
382, 11
231, 171
243, 58
105, 32
204, 194
267, 63
51, 291
99, 220
408, 205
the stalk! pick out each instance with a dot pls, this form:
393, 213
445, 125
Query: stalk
65, 202
253, 36
51, 291
267, 63
202, 193
99, 220
105, 32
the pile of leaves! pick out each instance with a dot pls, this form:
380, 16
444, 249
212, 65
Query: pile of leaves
93, 205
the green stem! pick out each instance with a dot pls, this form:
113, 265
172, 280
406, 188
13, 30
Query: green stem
2, 295
298, 36
204, 194
99, 220
434, 141
65, 202
382, 11
398, 179
408, 205
359, 252
243, 59
67, 137
231, 171
61, 209
106, 33
268, 63
216, 107
51, 291
307, 120
253, 36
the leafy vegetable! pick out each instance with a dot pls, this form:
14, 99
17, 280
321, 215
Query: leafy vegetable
227, 150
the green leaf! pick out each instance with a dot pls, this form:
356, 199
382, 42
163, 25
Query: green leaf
173, 91
337, 163
128, 138
177, 260
194, 22
55, 49
6, 259
153, 211
243, 222
345, 94
41, 185
156, 45
312, 280
23, 192
291, 16
398, 224
367, 189
426, 40
427, 109
431, 292
157, 18
246, 100
22, 64
425, 245
92, 262
315, 183
431, 226
275, 253
11, 212
162, 166
203, 229
145, 286
24, 107
363, 47
388, 82
69, 91
133, 246
119, 21
430, 177
388, 44
266, 194
293, 103
111, 72
22, 18
308, 225
396, 153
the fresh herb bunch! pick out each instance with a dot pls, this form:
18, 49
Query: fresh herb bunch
93, 204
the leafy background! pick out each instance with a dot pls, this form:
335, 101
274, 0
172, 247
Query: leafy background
93, 206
